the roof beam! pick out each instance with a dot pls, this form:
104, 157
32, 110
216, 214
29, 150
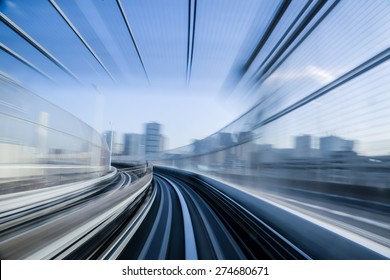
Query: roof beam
85, 43
24, 61
132, 36
238, 71
191, 38
266, 69
36, 45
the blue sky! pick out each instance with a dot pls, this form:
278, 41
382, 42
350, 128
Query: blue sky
185, 116
109, 81
160, 29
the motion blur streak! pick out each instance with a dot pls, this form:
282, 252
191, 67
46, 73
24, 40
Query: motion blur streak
303, 173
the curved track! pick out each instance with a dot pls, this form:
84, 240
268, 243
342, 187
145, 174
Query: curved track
177, 215
77, 221
195, 221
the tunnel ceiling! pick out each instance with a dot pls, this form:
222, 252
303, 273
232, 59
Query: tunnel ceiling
174, 44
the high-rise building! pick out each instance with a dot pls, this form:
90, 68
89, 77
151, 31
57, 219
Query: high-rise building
134, 145
153, 139
303, 146
331, 144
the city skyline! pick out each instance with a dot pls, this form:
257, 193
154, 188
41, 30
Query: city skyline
205, 130
124, 94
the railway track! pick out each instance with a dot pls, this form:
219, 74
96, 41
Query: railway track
167, 214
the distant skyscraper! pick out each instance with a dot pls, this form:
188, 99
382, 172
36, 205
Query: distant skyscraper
225, 139
303, 146
133, 145
153, 139
330, 144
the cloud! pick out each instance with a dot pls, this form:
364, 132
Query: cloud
312, 72
320, 75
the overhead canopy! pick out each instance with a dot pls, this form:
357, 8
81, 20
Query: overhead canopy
176, 43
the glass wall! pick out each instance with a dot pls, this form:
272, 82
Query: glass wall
321, 118
39, 140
